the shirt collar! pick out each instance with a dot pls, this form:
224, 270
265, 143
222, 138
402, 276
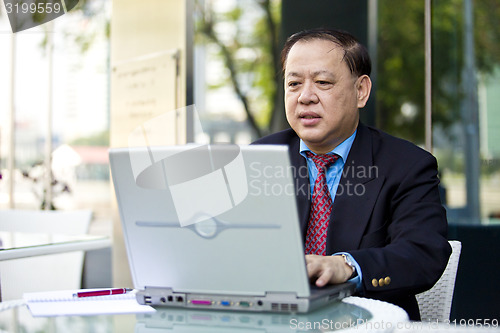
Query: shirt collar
342, 149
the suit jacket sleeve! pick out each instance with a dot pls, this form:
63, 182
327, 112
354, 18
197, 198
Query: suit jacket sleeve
408, 251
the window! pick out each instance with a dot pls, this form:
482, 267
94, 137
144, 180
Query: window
60, 91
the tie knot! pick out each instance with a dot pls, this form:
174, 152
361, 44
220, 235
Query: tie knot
323, 162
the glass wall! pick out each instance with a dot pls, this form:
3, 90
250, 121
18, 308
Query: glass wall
466, 57
55, 84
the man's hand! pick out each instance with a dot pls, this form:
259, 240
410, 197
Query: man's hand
327, 269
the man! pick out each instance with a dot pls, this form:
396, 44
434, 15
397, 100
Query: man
385, 227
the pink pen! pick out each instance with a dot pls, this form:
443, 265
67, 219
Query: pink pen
104, 292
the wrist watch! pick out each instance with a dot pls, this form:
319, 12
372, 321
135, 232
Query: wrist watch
350, 263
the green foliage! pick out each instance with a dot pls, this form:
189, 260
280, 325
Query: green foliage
401, 62
487, 34
400, 66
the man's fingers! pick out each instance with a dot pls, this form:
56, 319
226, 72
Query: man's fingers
313, 268
318, 268
323, 279
325, 269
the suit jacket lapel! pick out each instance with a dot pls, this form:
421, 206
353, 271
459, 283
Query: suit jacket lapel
302, 187
356, 195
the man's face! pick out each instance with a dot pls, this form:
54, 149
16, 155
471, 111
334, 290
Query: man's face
322, 97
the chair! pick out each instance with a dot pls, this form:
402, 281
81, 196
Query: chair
45, 272
435, 303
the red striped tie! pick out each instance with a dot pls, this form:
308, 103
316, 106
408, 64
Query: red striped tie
321, 206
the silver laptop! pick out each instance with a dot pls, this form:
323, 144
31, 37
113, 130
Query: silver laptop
215, 227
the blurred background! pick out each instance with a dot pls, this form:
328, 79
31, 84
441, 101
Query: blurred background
73, 87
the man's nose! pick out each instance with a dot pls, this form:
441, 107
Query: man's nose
308, 94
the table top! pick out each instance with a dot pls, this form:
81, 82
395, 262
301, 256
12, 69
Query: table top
344, 315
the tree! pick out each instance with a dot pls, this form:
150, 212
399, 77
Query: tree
251, 74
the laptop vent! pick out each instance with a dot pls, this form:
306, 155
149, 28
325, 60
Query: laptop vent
285, 307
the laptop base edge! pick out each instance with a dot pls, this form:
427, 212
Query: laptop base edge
270, 302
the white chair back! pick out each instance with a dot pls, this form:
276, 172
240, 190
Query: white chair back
47, 272
435, 303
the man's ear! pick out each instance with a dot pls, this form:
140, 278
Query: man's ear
363, 87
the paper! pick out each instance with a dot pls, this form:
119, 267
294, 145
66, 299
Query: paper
63, 303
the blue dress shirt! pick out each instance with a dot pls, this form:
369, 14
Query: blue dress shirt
333, 175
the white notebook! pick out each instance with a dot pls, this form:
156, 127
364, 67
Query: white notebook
64, 303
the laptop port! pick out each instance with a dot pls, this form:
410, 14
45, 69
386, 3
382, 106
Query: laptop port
245, 304
225, 303
201, 302
179, 299
147, 300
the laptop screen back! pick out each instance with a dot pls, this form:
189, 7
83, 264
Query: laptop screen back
210, 219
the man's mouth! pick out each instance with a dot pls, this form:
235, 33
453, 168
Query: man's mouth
309, 118
309, 115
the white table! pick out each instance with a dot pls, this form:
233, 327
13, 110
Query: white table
368, 313
58, 244
386, 317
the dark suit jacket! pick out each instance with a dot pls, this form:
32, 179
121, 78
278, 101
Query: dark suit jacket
387, 214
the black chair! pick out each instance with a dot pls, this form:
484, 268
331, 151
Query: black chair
477, 290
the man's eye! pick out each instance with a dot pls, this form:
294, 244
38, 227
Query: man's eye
293, 84
323, 82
